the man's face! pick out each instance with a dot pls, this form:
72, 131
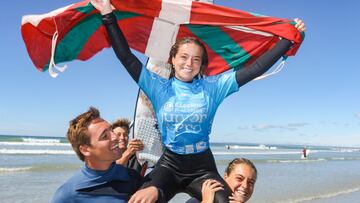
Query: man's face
241, 181
104, 144
123, 135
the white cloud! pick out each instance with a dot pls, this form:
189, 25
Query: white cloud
243, 127
334, 123
230, 134
288, 126
358, 114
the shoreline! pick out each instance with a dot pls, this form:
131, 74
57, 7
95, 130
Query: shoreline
350, 195
344, 196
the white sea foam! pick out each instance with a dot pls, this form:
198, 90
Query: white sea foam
325, 196
39, 152
14, 169
37, 140
261, 146
349, 150
338, 158
296, 161
34, 144
254, 152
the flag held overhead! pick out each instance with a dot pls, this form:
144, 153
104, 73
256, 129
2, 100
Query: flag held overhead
233, 38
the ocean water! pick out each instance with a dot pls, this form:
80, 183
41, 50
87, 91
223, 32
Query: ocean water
32, 168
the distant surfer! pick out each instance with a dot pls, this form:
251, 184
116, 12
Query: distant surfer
305, 153
227, 146
185, 106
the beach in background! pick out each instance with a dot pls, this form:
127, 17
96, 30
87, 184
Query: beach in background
32, 168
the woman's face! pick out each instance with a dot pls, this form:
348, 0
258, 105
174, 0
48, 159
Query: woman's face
241, 181
187, 62
123, 137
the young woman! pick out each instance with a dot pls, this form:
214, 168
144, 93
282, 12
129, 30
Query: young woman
240, 175
185, 106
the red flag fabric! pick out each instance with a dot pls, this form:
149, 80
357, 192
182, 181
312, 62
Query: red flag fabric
233, 38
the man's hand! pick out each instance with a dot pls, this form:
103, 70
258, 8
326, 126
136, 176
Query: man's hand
147, 195
134, 146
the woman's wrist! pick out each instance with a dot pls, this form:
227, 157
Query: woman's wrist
106, 11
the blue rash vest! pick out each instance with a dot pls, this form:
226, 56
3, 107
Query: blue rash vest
185, 111
116, 184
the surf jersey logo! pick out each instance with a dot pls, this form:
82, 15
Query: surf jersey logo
184, 117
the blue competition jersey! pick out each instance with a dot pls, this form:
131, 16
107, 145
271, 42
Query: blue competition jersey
185, 111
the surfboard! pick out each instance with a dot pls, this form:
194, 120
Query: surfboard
145, 122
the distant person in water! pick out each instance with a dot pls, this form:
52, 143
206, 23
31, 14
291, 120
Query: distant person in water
305, 152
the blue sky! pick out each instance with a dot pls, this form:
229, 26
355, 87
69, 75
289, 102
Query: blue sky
314, 100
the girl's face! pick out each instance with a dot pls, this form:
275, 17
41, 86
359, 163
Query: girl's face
241, 181
187, 62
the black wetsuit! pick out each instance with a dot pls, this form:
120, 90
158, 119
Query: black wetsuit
176, 173
134, 164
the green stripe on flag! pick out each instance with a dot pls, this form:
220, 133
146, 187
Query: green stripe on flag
71, 45
257, 15
85, 9
221, 43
